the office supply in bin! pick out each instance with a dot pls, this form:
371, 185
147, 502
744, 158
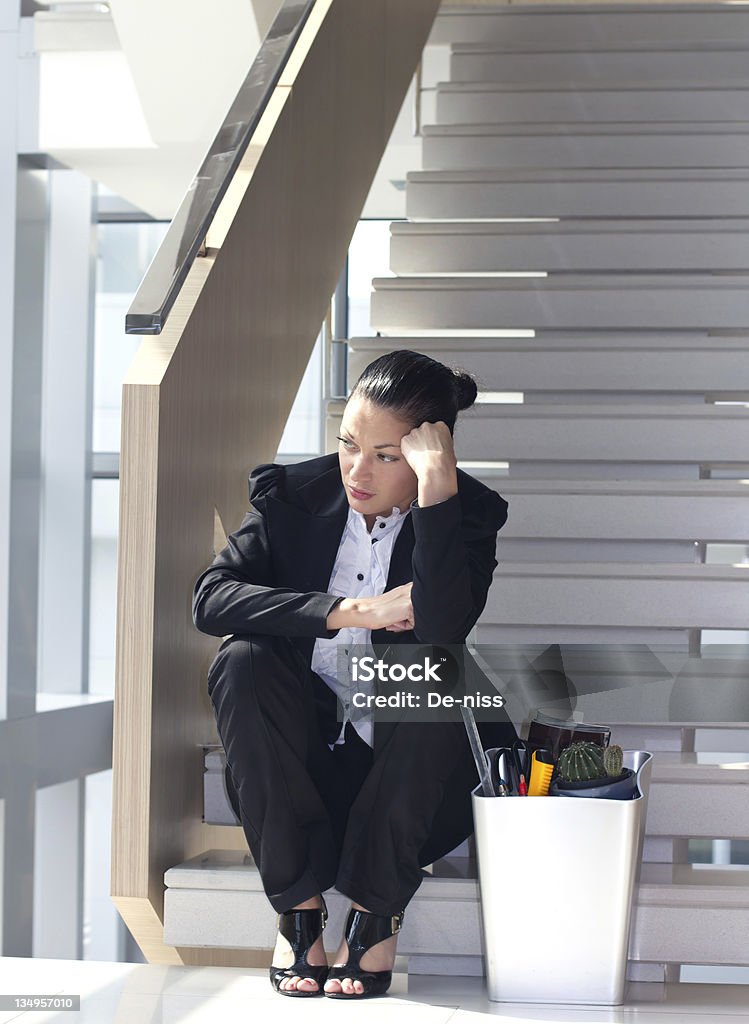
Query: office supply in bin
542, 768
477, 750
597, 852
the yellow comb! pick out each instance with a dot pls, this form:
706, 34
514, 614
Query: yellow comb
540, 777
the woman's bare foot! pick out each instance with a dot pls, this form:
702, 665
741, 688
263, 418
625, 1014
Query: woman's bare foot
381, 957
283, 955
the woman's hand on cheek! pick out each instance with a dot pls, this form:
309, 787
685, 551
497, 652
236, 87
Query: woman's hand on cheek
429, 451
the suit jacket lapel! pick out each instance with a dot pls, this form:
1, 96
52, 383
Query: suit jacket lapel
314, 536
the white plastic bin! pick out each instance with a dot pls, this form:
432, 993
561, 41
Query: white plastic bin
557, 878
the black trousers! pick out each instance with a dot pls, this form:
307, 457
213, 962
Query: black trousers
315, 817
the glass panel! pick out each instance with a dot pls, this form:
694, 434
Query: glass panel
727, 554
722, 637
124, 251
369, 256
55, 869
700, 851
103, 581
714, 974
102, 927
303, 432
187, 231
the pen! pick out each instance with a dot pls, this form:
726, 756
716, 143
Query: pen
502, 789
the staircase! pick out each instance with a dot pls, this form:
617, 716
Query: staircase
578, 236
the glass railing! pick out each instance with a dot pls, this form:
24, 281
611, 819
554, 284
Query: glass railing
186, 234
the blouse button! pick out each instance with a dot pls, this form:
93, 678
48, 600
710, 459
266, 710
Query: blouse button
382, 526
360, 576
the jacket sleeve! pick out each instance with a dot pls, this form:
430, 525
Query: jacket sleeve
453, 564
235, 594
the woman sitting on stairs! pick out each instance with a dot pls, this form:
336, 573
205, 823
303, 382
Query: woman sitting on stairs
385, 543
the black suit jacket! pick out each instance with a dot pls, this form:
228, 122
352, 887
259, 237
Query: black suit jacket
273, 574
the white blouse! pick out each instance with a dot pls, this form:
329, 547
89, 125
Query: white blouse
360, 570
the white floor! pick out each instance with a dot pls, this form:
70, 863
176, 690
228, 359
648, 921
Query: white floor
138, 993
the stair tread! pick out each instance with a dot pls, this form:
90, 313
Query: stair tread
678, 884
625, 174
597, 225
562, 341
622, 488
231, 870
586, 85
582, 571
571, 281
563, 128
672, 764
630, 411
611, 46
668, 767
700, 768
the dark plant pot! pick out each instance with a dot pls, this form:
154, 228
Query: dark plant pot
621, 787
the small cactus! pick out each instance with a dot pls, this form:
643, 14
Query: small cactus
580, 762
613, 759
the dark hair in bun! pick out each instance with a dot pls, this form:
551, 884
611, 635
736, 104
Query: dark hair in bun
465, 389
416, 388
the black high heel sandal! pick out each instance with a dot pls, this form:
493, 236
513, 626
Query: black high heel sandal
364, 930
301, 928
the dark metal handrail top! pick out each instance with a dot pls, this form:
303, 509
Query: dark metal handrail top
186, 233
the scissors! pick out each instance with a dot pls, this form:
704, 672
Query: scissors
521, 762
499, 768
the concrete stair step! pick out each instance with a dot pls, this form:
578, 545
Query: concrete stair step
576, 433
590, 145
651, 192
593, 667
615, 61
691, 795
624, 510
692, 913
657, 362
217, 899
699, 795
670, 596
684, 913
594, 301
637, 245
591, 26
581, 102
643, 680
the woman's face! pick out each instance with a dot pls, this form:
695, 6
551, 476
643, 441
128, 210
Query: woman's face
374, 473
